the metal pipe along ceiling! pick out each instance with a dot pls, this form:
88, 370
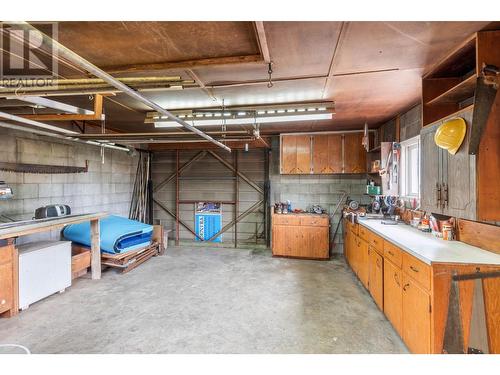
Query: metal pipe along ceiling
71, 56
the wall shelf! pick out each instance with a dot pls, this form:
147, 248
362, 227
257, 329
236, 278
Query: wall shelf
461, 91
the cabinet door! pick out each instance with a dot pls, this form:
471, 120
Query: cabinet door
393, 295
279, 242
354, 252
364, 260
416, 317
318, 242
347, 244
376, 277
460, 178
335, 157
288, 154
295, 241
303, 165
354, 153
429, 170
5, 287
320, 154
327, 153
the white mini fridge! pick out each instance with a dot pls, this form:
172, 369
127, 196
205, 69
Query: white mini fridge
44, 269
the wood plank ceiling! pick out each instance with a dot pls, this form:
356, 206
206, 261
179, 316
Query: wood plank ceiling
372, 70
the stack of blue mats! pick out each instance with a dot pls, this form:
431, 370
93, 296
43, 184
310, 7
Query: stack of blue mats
118, 234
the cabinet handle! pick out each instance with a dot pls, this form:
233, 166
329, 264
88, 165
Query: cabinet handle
378, 263
413, 269
396, 279
405, 287
445, 190
438, 194
391, 253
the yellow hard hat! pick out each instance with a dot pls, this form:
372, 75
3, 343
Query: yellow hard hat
451, 134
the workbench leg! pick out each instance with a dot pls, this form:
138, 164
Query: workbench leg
95, 249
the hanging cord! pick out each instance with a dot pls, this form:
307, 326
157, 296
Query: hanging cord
270, 73
224, 125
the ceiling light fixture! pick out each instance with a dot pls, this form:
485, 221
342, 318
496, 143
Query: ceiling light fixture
243, 121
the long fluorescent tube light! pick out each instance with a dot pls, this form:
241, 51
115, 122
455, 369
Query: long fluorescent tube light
244, 121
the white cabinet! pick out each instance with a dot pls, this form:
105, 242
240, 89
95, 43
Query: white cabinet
44, 269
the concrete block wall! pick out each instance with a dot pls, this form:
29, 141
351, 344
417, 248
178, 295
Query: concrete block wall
212, 188
105, 187
410, 123
306, 190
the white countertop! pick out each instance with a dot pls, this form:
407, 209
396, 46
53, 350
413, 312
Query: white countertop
428, 248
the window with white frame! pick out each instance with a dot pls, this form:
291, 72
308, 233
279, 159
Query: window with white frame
410, 168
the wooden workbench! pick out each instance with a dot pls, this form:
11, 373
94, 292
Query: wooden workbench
9, 254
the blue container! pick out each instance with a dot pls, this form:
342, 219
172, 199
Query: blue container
206, 225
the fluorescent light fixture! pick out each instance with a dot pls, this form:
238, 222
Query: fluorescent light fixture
261, 112
243, 121
301, 110
226, 114
198, 115
280, 111
270, 112
242, 113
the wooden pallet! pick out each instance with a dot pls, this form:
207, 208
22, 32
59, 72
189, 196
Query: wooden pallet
131, 259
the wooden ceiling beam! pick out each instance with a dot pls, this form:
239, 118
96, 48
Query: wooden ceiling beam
186, 64
262, 39
204, 146
96, 116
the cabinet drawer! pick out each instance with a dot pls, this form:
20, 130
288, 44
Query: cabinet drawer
5, 254
286, 220
353, 227
393, 253
417, 270
314, 221
376, 241
364, 233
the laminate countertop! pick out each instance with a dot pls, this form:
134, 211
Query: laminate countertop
428, 248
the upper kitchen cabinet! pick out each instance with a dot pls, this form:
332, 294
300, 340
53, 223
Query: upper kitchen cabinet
296, 154
354, 153
461, 185
327, 153
322, 153
448, 181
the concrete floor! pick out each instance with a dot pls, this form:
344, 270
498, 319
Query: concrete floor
210, 300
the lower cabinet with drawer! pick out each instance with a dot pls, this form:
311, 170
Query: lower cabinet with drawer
414, 295
8, 274
301, 236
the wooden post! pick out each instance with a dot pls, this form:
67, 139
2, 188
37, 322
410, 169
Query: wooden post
236, 197
177, 213
95, 249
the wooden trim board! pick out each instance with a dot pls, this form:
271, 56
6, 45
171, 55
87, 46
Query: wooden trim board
485, 236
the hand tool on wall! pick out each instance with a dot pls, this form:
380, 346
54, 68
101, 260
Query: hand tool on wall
486, 90
453, 342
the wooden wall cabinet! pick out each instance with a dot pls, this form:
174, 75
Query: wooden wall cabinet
301, 236
448, 89
322, 153
327, 153
354, 153
448, 181
296, 154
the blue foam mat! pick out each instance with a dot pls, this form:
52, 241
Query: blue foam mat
118, 234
